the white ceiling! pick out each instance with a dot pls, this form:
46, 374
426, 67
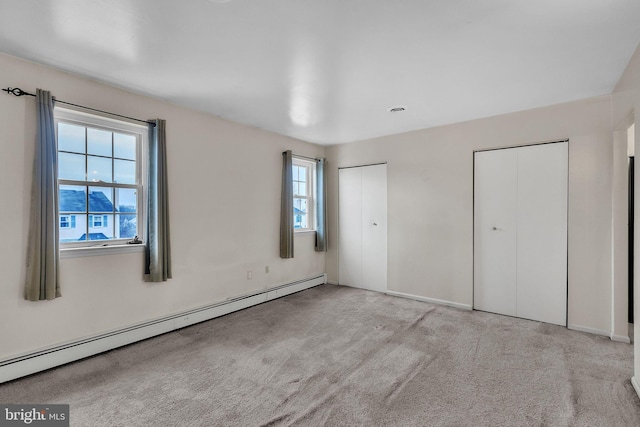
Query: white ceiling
327, 71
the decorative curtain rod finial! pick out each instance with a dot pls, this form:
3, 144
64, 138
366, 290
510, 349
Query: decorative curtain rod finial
16, 91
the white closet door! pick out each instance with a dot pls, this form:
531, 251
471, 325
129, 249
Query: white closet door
374, 227
495, 222
350, 227
362, 227
542, 233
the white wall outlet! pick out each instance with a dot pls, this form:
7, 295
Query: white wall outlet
249, 274
266, 269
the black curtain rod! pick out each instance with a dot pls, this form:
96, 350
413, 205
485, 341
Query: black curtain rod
304, 157
16, 91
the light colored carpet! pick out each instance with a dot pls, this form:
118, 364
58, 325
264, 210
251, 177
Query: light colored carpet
340, 356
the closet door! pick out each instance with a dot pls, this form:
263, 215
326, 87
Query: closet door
374, 227
362, 227
495, 222
350, 227
520, 232
542, 233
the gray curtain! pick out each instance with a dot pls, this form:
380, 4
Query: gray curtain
43, 278
286, 209
321, 206
158, 244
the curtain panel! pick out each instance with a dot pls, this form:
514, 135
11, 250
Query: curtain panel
158, 242
286, 206
43, 277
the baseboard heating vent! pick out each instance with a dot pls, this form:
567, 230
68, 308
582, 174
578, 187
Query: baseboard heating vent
31, 363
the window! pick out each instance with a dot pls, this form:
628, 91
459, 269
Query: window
303, 173
99, 178
98, 221
67, 221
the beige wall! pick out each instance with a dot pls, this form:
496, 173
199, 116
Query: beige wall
224, 182
626, 110
430, 202
627, 92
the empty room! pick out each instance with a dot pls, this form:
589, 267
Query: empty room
319, 212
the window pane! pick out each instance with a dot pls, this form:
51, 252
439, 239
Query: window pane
72, 198
302, 187
301, 221
302, 174
100, 199
99, 169
295, 187
294, 172
299, 213
71, 166
127, 200
77, 231
124, 146
100, 227
70, 138
126, 226
125, 171
99, 142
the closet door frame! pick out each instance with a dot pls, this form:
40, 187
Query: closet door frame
566, 279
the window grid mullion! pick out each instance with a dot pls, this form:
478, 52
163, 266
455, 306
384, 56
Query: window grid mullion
97, 155
97, 184
86, 178
113, 190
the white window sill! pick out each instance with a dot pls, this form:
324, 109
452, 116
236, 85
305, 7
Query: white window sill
303, 231
100, 250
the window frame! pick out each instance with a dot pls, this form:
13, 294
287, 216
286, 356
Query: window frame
100, 122
310, 196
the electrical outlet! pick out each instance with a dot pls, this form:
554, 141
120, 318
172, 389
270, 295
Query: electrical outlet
249, 274
266, 269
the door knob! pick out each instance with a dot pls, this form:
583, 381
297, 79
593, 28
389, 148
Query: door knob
375, 224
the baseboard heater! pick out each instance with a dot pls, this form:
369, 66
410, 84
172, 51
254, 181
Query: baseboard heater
51, 357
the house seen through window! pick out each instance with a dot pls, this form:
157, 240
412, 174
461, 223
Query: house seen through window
99, 184
303, 172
